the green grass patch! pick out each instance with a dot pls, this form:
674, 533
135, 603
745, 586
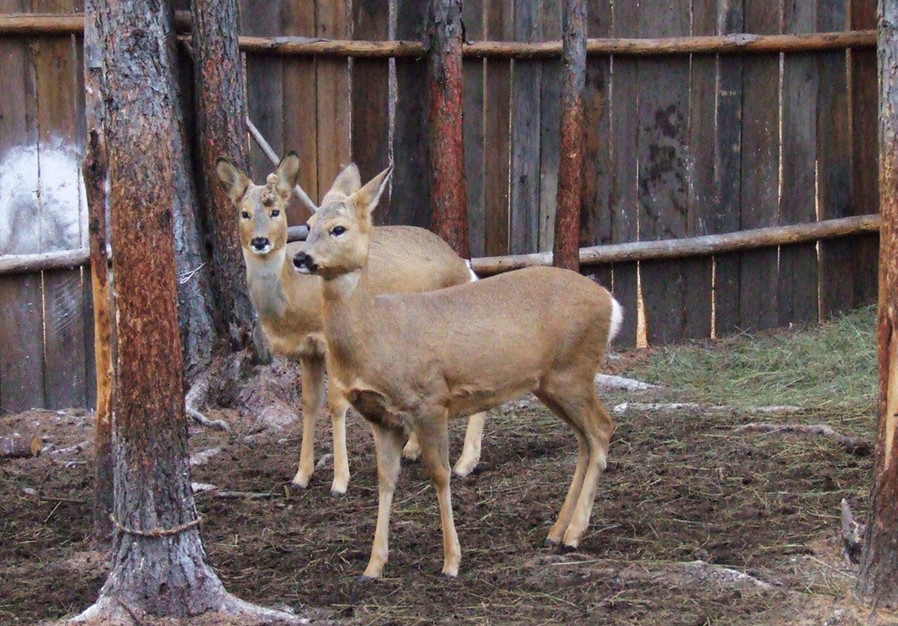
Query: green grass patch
828, 366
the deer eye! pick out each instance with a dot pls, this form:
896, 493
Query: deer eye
245, 215
336, 231
275, 213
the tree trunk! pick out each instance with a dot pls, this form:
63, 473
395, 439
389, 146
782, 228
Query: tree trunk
570, 167
94, 169
159, 564
879, 558
221, 125
449, 202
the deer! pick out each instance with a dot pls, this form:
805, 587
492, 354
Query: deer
411, 362
289, 304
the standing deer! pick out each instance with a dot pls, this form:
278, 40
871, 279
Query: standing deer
409, 363
403, 259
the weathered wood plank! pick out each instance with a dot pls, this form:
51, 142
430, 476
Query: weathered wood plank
473, 71
797, 300
760, 169
62, 213
624, 197
21, 333
727, 163
670, 290
497, 97
333, 95
371, 97
550, 122
264, 83
299, 127
525, 134
411, 183
834, 163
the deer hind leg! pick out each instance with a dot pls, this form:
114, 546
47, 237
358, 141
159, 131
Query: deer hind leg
433, 435
583, 412
312, 370
339, 406
470, 454
388, 444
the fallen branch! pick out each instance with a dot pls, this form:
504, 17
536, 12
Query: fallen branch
675, 407
852, 533
17, 446
78, 447
201, 458
853, 446
607, 381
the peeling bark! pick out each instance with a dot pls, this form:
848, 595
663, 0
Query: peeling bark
448, 196
570, 167
879, 558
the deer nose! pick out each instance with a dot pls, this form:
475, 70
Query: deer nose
304, 264
259, 243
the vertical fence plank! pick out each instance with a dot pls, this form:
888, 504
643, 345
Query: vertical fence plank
411, 183
21, 333
727, 164
760, 167
299, 127
332, 96
865, 153
499, 27
60, 211
472, 106
624, 169
797, 282
834, 162
370, 97
525, 134
677, 301
264, 83
551, 87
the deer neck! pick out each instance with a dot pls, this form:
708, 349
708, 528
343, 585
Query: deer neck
264, 278
348, 313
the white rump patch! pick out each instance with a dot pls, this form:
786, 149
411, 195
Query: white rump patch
617, 317
471, 270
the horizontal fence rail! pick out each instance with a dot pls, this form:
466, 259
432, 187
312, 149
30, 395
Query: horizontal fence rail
741, 43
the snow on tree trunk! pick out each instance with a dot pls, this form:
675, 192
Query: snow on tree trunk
879, 558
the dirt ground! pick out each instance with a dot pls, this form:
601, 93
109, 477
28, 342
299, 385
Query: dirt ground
695, 521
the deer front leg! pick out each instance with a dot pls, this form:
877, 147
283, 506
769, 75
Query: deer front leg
388, 444
470, 454
412, 449
339, 405
312, 370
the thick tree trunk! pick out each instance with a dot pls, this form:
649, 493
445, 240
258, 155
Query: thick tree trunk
221, 125
570, 168
879, 558
449, 202
159, 564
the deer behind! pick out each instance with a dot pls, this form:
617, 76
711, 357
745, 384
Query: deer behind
403, 259
411, 362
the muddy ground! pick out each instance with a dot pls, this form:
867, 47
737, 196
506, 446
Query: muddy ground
695, 521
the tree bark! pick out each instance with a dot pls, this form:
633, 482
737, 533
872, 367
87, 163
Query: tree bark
159, 563
570, 168
879, 558
221, 125
448, 197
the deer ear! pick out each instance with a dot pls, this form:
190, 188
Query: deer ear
348, 180
287, 173
367, 197
233, 180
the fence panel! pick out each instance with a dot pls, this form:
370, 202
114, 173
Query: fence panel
473, 72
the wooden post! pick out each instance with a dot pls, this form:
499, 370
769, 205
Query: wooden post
94, 167
448, 195
879, 558
570, 167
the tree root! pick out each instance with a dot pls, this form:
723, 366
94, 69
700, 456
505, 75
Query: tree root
228, 610
857, 447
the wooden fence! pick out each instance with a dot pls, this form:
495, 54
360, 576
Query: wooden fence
684, 138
